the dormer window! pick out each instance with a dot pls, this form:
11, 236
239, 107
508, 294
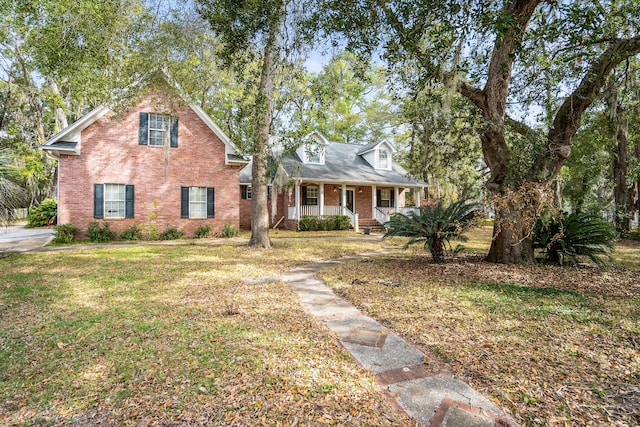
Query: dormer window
314, 155
383, 159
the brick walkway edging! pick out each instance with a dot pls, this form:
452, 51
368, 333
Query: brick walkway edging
431, 399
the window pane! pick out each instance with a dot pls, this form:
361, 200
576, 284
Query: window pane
312, 196
383, 159
197, 202
312, 192
114, 200
158, 124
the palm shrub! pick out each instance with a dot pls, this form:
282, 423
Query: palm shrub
566, 237
434, 225
12, 194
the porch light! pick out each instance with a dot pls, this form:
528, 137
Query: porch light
335, 188
359, 189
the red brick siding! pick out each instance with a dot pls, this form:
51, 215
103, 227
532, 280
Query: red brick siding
111, 154
245, 211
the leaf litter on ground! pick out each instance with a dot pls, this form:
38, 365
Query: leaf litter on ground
173, 335
552, 345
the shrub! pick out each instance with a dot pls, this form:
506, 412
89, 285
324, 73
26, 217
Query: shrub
203, 231
65, 233
150, 231
342, 222
324, 223
44, 214
100, 233
308, 223
172, 233
565, 237
132, 233
228, 231
434, 225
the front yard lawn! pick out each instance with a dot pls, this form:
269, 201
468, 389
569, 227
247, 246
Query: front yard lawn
554, 346
173, 335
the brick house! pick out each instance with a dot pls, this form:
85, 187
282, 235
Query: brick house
161, 162
329, 178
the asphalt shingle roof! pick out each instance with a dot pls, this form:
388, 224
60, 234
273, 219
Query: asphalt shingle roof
343, 163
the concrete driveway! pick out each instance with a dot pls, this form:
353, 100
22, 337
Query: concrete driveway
16, 238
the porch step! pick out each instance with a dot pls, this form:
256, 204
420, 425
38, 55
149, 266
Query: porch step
374, 225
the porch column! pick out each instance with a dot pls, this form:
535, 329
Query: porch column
321, 196
374, 201
396, 194
418, 194
344, 197
297, 201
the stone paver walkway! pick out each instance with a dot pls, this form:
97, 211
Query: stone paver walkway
432, 398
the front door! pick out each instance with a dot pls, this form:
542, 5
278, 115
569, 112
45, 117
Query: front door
351, 199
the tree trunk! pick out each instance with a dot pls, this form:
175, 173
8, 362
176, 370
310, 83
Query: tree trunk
60, 115
437, 250
259, 206
513, 222
619, 168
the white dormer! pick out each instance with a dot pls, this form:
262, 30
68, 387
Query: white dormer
378, 154
312, 150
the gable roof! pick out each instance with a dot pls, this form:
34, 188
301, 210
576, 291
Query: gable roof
60, 142
343, 163
374, 146
67, 141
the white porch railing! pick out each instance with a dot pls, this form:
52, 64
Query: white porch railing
314, 210
382, 215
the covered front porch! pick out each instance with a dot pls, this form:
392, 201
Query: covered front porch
362, 203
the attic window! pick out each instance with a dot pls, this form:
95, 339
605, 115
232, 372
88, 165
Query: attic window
314, 155
154, 128
383, 159
158, 126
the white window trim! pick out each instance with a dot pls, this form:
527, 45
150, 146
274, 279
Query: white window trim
320, 154
164, 129
123, 201
388, 159
200, 203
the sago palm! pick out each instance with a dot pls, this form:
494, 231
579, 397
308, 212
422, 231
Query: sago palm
12, 195
434, 225
566, 237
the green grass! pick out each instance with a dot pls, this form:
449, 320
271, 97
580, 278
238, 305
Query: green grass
172, 334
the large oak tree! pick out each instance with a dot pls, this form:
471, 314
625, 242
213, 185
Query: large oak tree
545, 54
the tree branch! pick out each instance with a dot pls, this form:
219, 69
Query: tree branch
520, 127
567, 119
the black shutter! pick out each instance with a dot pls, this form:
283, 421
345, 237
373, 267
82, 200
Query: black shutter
128, 201
143, 136
174, 133
210, 202
98, 201
268, 192
392, 195
184, 202
243, 191
304, 196
378, 199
